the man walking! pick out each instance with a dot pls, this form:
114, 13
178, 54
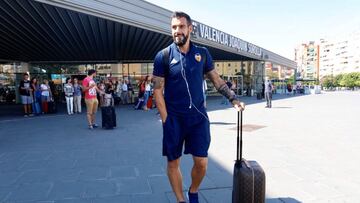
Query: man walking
268, 92
178, 73
90, 88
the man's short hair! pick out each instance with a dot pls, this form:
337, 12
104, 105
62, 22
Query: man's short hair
91, 71
25, 74
180, 14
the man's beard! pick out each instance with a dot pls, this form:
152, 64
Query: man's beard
181, 40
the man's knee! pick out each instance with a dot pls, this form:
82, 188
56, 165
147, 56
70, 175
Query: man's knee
200, 163
174, 164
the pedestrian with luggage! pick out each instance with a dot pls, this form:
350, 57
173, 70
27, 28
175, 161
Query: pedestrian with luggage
90, 89
108, 116
179, 71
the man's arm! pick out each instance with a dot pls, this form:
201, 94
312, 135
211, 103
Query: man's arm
98, 90
159, 83
223, 89
85, 86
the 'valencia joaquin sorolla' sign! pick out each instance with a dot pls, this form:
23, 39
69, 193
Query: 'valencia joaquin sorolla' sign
208, 33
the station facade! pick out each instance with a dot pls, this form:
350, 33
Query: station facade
52, 39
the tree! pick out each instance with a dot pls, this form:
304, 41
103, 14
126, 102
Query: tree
350, 80
327, 81
357, 76
291, 80
338, 79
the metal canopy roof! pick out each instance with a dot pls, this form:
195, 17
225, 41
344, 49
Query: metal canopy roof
48, 31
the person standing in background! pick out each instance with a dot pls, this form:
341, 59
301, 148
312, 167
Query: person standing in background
36, 96
46, 95
147, 92
77, 96
124, 92
69, 96
268, 92
130, 92
25, 93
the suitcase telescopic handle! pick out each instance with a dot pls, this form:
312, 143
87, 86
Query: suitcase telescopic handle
239, 136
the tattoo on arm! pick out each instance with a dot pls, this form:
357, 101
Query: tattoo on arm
158, 82
220, 85
225, 91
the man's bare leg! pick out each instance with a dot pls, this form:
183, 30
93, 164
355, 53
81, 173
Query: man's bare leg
25, 109
175, 178
198, 172
89, 117
93, 118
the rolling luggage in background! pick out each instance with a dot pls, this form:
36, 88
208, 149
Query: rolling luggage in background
108, 117
52, 107
249, 177
117, 99
149, 104
45, 107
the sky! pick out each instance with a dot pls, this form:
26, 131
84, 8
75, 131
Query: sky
276, 25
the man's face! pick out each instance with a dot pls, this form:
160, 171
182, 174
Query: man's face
180, 31
26, 77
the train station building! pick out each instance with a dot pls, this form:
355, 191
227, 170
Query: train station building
56, 39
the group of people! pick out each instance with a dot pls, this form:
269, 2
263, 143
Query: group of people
73, 94
145, 91
122, 90
36, 98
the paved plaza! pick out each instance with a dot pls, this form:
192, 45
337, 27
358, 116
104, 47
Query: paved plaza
308, 145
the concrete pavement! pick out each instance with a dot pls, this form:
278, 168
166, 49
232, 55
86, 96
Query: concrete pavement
307, 145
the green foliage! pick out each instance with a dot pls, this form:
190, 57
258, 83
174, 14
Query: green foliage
338, 79
291, 80
327, 81
350, 80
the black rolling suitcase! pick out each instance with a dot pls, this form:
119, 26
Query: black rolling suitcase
52, 107
108, 117
249, 177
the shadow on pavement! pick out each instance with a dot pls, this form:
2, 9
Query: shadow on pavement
11, 111
282, 200
214, 103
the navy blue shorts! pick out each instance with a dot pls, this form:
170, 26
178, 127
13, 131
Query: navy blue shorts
193, 131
